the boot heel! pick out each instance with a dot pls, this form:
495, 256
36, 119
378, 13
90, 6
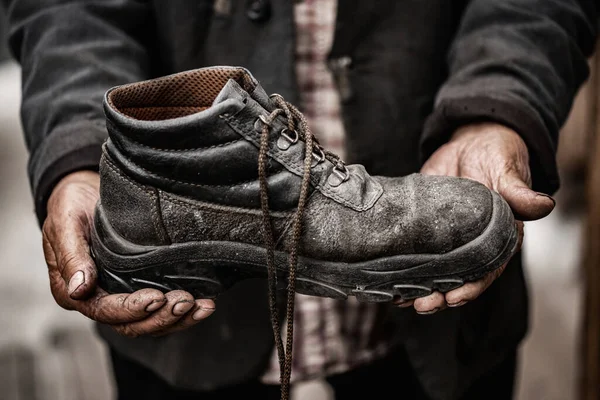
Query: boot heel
120, 270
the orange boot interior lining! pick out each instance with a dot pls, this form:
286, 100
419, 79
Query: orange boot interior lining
176, 95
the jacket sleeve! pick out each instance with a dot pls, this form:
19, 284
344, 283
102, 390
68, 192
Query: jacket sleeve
518, 63
71, 52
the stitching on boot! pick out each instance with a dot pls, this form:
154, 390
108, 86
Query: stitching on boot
160, 225
141, 188
215, 146
191, 183
110, 125
185, 202
124, 178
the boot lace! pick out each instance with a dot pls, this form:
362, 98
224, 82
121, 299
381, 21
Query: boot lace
297, 129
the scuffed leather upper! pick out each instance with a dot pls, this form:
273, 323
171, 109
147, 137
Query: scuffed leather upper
195, 177
416, 214
212, 155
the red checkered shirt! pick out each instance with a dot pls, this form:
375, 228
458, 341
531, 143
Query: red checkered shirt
330, 336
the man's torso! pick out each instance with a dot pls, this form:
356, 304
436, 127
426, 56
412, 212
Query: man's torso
388, 59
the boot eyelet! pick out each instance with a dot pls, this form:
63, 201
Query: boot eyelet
264, 120
318, 157
340, 174
285, 141
293, 140
260, 121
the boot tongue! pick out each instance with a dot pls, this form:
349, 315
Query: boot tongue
262, 98
233, 90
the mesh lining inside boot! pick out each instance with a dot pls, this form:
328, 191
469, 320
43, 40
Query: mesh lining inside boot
175, 95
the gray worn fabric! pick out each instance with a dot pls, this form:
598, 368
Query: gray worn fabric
517, 62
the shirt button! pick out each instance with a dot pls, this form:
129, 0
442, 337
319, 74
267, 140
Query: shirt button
259, 10
340, 68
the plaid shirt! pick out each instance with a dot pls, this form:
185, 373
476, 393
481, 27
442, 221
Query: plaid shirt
330, 336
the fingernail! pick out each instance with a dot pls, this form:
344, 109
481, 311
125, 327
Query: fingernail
155, 305
182, 307
429, 312
460, 303
202, 312
76, 281
546, 195
404, 304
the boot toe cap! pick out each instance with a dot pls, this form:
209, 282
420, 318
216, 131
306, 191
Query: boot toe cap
448, 212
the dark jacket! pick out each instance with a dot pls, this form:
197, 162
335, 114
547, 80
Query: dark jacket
419, 69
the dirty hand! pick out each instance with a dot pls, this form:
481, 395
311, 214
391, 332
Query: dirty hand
497, 157
66, 237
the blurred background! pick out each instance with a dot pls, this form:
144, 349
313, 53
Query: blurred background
47, 353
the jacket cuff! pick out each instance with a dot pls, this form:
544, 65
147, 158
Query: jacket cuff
449, 115
71, 148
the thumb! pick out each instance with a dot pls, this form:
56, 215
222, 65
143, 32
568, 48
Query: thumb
527, 205
79, 271
73, 260
67, 232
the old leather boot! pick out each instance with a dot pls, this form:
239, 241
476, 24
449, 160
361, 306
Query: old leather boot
206, 180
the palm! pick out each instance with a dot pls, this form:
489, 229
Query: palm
497, 157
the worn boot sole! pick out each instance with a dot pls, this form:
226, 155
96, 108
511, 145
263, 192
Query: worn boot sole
206, 269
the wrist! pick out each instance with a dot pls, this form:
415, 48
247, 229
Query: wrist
472, 137
85, 177
84, 181
485, 130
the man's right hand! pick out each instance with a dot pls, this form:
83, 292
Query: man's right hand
66, 236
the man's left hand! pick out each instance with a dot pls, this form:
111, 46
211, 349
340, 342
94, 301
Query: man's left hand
497, 157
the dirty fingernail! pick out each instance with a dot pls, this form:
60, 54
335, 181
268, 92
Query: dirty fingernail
76, 281
546, 195
155, 305
202, 312
429, 312
182, 307
460, 303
